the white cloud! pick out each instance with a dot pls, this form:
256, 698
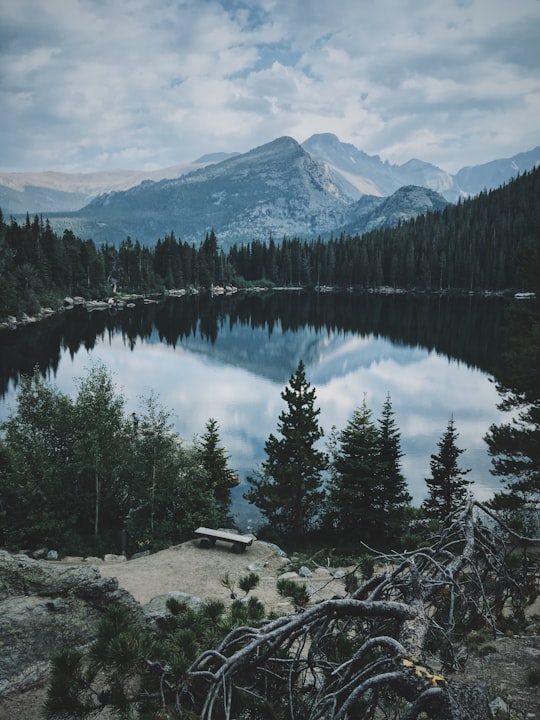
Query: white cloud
87, 85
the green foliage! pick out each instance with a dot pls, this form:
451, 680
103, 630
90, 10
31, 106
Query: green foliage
297, 592
133, 670
395, 497
447, 486
100, 458
353, 490
288, 489
169, 493
66, 692
367, 492
220, 478
514, 446
248, 582
366, 564
38, 494
74, 474
243, 613
351, 583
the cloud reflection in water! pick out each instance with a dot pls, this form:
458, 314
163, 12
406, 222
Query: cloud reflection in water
195, 382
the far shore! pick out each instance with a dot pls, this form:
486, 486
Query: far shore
121, 301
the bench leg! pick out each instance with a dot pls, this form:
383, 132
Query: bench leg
207, 542
238, 548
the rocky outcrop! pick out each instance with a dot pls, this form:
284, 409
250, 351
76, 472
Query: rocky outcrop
44, 607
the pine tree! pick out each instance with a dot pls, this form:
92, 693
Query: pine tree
354, 494
515, 446
395, 497
220, 477
288, 488
447, 485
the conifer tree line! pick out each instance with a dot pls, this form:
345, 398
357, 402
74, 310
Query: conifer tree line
83, 476
470, 246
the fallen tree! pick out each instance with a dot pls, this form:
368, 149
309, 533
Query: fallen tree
388, 649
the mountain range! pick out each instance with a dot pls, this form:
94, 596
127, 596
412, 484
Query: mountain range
319, 188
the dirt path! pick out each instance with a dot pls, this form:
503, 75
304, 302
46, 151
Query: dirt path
191, 569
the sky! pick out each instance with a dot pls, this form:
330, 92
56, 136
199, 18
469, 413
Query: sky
89, 85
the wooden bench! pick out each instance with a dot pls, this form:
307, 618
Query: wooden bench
208, 539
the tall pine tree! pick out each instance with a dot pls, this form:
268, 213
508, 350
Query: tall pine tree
354, 492
288, 490
447, 486
395, 497
220, 477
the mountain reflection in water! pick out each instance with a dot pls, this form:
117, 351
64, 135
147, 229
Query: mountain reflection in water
230, 357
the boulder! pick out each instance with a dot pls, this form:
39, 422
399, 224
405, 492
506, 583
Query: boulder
45, 607
156, 609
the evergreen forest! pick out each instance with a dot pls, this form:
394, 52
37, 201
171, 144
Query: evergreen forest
471, 246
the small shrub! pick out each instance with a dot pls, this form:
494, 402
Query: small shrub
248, 582
297, 592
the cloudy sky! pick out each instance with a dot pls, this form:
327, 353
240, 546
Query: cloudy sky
101, 84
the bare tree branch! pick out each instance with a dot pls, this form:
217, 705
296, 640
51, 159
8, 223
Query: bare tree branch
385, 648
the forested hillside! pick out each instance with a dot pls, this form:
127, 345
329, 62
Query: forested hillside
471, 246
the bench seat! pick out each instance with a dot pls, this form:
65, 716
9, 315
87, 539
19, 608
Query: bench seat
208, 538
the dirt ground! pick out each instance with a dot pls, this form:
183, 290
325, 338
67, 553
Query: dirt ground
197, 571
200, 572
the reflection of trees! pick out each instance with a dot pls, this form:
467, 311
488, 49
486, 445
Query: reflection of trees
463, 327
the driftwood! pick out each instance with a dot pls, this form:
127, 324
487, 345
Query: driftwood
382, 651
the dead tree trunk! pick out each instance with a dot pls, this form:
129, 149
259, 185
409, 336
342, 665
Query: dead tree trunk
381, 652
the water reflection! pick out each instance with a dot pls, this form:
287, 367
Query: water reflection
230, 358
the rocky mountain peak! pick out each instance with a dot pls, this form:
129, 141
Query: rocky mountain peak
279, 188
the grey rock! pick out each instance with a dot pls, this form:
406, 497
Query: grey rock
274, 547
499, 708
257, 566
45, 607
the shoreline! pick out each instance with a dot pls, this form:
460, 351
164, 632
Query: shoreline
120, 302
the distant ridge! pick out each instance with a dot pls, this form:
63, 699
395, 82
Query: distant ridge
319, 188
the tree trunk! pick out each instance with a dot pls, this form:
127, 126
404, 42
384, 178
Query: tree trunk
96, 509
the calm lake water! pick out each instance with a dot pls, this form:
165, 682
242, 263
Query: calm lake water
230, 358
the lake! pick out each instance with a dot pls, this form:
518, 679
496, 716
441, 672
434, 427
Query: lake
230, 357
